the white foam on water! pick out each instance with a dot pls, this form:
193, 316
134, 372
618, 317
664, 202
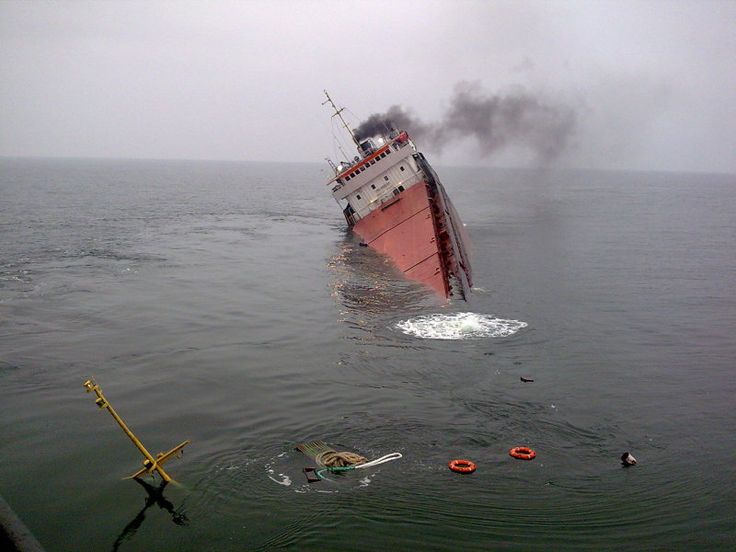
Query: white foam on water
285, 479
461, 325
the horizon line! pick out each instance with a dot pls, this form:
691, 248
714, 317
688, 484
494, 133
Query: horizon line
282, 161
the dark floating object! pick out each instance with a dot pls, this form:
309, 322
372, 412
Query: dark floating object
627, 459
311, 475
526, 380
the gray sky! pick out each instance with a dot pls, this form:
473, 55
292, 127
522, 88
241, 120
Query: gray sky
653, 84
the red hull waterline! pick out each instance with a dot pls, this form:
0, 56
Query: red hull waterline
421, 233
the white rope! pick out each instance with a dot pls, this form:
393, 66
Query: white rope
382, 460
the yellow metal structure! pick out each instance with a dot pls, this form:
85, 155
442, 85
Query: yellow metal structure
150, 464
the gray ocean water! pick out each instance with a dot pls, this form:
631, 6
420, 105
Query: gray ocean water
226, 303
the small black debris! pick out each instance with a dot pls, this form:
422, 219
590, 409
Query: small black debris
526, 380
627, 459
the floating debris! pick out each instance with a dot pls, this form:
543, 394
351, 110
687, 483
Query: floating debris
522, 453
462, 466
329, 460
627, 459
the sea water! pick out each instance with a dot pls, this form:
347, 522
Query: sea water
227, 304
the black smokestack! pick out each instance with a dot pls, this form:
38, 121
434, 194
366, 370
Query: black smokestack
496, 121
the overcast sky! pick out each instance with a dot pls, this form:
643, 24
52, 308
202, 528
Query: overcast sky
653, 84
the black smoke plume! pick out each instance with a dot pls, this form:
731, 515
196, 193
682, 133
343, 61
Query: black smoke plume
395, 118
495, 122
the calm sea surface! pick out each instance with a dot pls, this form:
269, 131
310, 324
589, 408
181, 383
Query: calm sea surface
226, 303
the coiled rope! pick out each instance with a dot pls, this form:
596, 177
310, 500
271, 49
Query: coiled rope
333, 459
345, 457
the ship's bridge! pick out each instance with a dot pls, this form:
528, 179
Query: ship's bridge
350, 175
385, 170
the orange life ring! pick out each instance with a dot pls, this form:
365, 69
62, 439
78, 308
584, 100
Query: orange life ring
462, 466
522, 453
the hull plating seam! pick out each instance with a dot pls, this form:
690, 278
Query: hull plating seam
397, 224
420, 262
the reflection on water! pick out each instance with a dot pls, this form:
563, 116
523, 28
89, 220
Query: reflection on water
155, 496
368, 283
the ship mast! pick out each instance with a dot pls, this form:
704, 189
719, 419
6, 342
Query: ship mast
338, 112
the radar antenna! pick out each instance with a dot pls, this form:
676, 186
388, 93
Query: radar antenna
338, 113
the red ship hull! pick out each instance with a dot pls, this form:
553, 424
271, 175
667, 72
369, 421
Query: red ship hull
392, 198
420, 232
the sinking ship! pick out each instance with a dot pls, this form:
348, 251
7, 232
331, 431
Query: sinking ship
394, 202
